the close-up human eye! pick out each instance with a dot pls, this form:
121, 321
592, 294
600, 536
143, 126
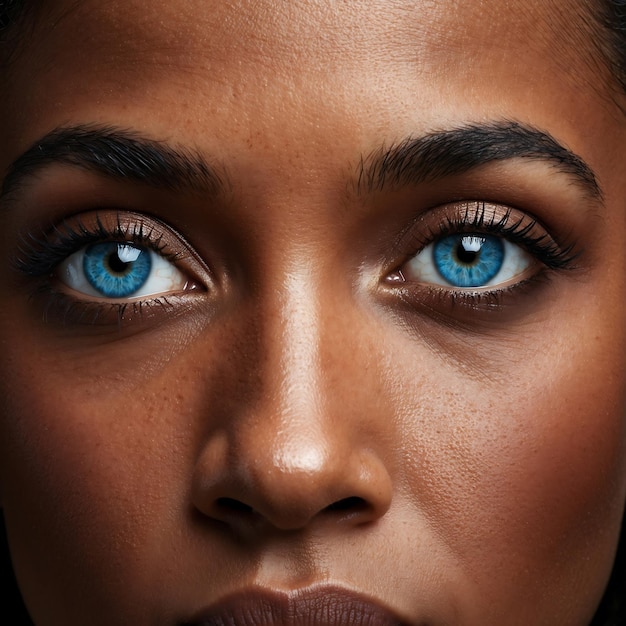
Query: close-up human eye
480, 250
120, 270
469, 260
101, 263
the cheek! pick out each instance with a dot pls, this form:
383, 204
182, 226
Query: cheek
103, 477
521, 468
520, 471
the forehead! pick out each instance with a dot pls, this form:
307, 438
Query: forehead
248, 24
323, 39
278, 69
320, 26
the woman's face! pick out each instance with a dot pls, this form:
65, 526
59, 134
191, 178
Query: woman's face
312, 308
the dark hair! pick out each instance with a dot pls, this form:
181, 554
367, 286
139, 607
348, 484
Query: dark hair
13, 15
609, 17
612, 16
9, 11
12, 603
612, 609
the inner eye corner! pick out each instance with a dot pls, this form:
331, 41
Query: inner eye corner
394, 277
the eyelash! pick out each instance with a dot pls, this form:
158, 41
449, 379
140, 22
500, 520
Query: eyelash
39, 255
482, 218
542, 247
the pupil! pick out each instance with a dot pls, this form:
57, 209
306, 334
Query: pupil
467, 255
468, 250
116, 264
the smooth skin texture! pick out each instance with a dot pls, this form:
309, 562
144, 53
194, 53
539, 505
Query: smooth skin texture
304, 410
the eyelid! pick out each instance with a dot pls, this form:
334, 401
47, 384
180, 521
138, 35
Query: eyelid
512, 224
42, 254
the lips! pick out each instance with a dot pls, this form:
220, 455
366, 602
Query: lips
319, 606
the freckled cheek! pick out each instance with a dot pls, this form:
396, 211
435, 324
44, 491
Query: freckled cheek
103, 476
576, 445
557, 476
517, 458
525, 482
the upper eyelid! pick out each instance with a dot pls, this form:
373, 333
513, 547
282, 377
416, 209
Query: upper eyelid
486, 217
39, 254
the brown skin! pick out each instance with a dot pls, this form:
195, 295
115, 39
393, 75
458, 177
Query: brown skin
488, 448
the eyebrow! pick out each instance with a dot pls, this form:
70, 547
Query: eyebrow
118, 153
459, 150
125, 155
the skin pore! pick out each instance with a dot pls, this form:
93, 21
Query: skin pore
302, 407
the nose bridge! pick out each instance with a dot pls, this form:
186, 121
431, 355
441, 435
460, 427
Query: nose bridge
293, 453
292, 343
303, 438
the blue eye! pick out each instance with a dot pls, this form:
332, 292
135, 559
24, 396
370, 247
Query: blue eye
116, 270
120, 270
468, 260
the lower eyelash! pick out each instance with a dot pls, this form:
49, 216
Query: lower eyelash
61, 308
472, 310
489, 299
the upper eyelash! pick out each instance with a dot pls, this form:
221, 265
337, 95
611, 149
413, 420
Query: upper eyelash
39, 255
542, 246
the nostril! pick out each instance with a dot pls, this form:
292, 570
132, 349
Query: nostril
231, 505
353, 504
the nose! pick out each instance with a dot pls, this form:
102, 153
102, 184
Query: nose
304, 450
290, 482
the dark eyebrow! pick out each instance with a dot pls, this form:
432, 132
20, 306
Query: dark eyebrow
118, 153
456, 151
123, 154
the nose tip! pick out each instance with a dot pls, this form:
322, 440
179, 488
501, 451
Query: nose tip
290, 487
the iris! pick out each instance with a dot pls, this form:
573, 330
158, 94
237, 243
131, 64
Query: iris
116, 270
465, 260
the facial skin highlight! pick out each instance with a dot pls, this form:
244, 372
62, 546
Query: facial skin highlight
306, 415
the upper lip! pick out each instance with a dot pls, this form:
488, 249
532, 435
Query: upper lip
315, 606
